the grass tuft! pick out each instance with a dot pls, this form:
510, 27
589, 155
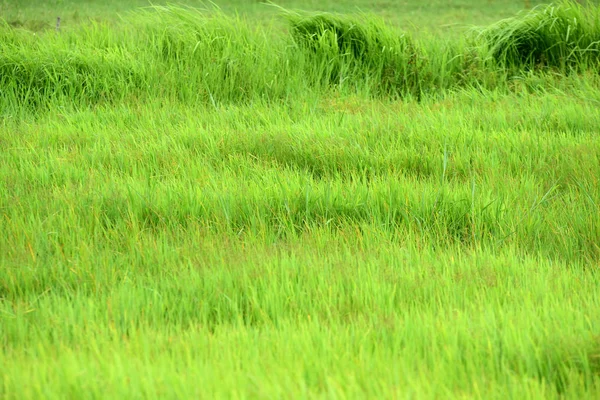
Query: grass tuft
357, 49
565, 35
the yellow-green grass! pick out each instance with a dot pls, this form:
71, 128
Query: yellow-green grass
300, 240
441, 16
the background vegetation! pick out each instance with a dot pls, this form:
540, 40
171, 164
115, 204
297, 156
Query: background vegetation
284, 203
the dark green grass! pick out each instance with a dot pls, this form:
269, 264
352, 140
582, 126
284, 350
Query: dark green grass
565, 36
354, 50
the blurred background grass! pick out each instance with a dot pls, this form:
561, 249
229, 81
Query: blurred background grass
440, 16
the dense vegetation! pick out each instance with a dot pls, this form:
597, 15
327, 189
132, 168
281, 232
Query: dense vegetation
202, 56
196, 204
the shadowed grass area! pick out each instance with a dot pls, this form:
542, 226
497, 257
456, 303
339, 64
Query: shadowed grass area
361, 50
565, 36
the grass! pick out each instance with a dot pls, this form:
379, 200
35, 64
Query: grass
322, 205
558, 36
433, 16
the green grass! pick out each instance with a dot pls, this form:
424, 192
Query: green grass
440, 16
194, 204
558, 36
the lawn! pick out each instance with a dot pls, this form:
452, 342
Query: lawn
385, 200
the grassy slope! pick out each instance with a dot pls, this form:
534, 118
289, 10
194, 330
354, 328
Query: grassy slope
333, 245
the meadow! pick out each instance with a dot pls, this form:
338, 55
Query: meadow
343, 199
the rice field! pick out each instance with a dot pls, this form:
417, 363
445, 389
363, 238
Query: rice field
304, 200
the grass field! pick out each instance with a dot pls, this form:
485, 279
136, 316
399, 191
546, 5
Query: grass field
398, 202
432, 15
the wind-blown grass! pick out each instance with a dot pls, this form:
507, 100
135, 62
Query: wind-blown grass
345, 50
193, 206
565, 36
206, 56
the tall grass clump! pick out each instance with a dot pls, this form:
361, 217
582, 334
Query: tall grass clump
204, 55
176, 53
34, 79
565, 35
86, 66
344, 50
